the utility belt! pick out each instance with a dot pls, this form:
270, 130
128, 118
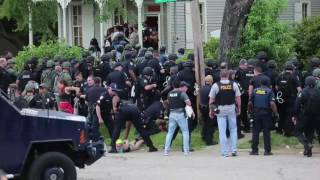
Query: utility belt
261, 109
202, 106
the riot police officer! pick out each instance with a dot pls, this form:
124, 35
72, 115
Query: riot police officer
262, 103
118, 77
307, 115
104, 111
287, 87
48, 75
187, 75
243, 76
148, 86
272, 73
103, 69
25, 76
163, 56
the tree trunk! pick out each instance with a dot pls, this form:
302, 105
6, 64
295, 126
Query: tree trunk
234, 18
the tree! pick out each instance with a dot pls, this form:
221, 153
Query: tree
265, 32
44, 15
234, 18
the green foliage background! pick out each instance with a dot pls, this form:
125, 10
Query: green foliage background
44, 15
308, 38
265, 32
48, 49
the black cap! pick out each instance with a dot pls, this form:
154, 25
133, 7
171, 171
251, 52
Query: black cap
261, 55
289, 66
114, 87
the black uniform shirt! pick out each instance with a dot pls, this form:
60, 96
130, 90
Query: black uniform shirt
105, 103
93, 94
256, 80
204, 95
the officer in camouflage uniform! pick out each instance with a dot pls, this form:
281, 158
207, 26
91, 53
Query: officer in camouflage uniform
48, 75
11, 70
316, 74
64, 75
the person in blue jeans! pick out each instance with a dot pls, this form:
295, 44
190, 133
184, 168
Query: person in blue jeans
178, 100
225, 103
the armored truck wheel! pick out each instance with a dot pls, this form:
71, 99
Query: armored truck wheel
53, 166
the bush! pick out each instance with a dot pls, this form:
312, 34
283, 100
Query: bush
308, 37
265, 32
211, 49
48, 49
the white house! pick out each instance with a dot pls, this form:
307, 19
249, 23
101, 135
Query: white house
77, 22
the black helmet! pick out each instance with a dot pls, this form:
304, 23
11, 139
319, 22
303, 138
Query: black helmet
311, 81
120, 48
211, 63
150, 49
127, 55
181, 50
147, 71
188, 64
163, 48
148, 55
272, 64
289, 66
315, 62
106, 57
261, 55
172, 57
117, 64
252, 62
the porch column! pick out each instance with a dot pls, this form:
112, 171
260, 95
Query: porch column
30, 26
64, 5
140, 6
101, 4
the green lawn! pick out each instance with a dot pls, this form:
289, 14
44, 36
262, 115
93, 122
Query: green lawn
277, 142
159, 139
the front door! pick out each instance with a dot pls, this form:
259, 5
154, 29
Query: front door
151, 37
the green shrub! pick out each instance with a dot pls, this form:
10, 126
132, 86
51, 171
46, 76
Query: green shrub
211, 48
48, 49
265, 32
308, 37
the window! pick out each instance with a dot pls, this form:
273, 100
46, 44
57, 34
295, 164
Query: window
201, 16
77, 25
306, 10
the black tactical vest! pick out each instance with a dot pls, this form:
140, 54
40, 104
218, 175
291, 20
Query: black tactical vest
175, 100
226, 94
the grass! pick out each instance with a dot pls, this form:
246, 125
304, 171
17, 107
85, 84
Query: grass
277, 142
159, 139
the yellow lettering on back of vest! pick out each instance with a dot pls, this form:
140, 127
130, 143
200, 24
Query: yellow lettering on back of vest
261, 92
226, 87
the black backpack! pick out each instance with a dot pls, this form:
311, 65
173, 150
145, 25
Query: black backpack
285, 85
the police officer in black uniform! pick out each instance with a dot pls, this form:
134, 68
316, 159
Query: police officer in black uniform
25, 76
287, 87
272, 73
262, 103
118, 77
126, 112
92, 96
103, 69
243, 77
104, 110
307, 115
148, 85
208, 123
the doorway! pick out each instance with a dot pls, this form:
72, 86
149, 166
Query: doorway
151, 33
